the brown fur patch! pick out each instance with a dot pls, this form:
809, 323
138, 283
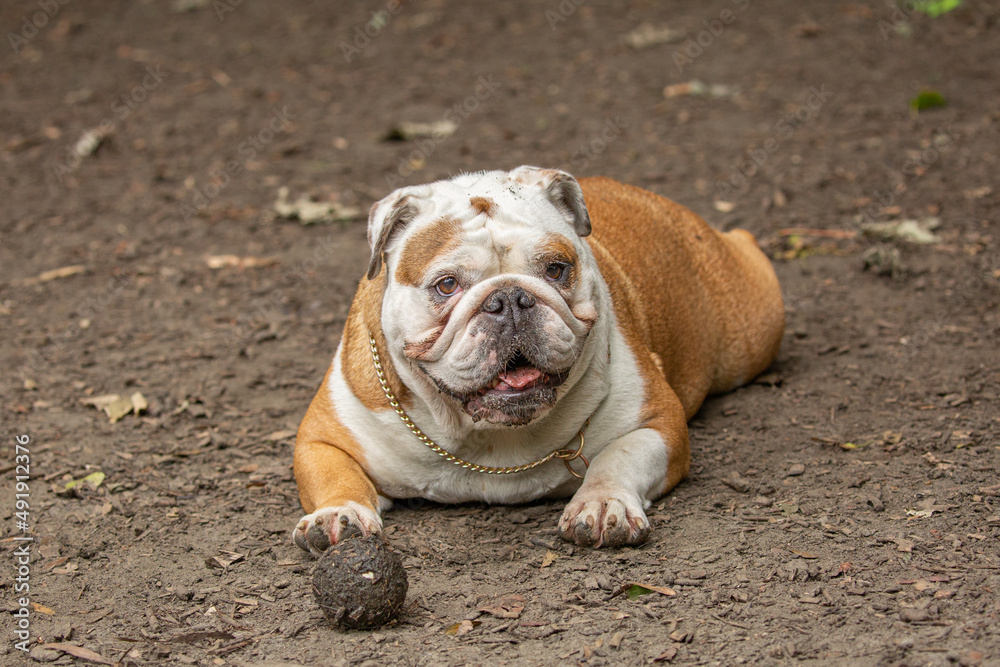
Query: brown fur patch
556, 248
483, 205
707, 303
356, 356
329, 464
424, 247
704, 306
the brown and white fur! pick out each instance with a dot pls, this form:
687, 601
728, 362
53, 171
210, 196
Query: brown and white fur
652, 311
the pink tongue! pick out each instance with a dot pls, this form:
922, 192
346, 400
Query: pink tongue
520, 377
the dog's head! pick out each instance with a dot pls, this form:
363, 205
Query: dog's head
490, 290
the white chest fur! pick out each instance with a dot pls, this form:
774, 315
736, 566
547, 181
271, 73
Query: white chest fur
607, 391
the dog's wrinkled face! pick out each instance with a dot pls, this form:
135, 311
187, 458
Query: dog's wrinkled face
491, 291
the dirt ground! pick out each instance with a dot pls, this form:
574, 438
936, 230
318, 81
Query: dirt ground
843, 510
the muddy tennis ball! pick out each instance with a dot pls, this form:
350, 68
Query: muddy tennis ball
360, 583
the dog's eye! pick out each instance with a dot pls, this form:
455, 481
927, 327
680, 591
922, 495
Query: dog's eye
447, 285
555, 271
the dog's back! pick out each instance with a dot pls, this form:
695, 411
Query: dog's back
709, 300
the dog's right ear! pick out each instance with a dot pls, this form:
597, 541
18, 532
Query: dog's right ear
387, 217
562, 190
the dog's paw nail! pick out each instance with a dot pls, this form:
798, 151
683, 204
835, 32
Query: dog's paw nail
299, 537
604, 522
327, 526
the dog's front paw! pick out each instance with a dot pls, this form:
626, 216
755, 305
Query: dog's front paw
328, 525
596, 519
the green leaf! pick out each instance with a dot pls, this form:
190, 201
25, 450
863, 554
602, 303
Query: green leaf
788, 509
935, 8
635, 590
927, 99
94, 480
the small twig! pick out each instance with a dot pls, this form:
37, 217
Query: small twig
825, 233
732, 623
222, 650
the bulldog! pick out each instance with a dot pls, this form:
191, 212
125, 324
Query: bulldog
524, 335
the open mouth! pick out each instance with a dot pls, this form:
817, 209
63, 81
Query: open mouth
519, 378
519, 392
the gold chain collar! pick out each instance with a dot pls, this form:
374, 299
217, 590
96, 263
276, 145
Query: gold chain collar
566, 455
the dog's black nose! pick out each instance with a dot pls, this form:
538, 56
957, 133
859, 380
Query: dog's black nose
508, 302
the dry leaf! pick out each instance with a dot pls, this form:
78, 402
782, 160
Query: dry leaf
978, 193
509, 606
51, 565
89, 142
804, 554
279, 435
405, 130
310, 212
697, 88
892, 437
139, 403
914, 231
223, 560
80, 652
42, 609
115, 406
549, 558
463, 628
118, 408
225, 261
100, 401
960, 439
667, 655
647, 35
64, 272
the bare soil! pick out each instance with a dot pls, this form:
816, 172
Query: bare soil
843, 510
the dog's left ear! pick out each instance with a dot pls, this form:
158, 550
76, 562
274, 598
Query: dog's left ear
562, 190
386, 217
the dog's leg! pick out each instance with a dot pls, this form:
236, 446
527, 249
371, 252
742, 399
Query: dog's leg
338, 495
629, 473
